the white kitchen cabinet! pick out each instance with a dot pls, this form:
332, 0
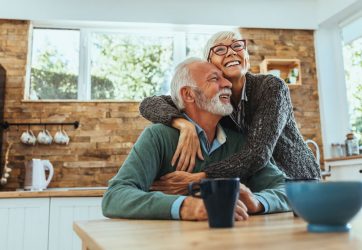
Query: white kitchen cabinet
63, 212
24, 223
345, 169
44, 223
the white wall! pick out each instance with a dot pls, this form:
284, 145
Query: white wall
293, 14
352, 30
329, 8
331, 78
331, 87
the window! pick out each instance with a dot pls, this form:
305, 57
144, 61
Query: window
129, 66
54, 64
123, 64
195, 43
352, 53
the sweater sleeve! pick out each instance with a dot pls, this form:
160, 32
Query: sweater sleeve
268, 183
159, 109
269, 120
128, 193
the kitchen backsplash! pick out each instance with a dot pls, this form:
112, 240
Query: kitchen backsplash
108, 129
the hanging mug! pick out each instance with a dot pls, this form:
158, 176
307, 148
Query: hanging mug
27, 137
44, 137
61, 137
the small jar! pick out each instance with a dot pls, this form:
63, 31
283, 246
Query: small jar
337, 150
334, 150
343, 150
352, 147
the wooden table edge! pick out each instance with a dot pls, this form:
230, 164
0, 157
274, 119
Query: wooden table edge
87, 242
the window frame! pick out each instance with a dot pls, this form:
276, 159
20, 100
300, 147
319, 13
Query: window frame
178, 32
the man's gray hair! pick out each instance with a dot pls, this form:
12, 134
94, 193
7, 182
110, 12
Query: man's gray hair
181, 78
218, 37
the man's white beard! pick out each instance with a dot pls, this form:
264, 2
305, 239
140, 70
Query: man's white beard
214, 105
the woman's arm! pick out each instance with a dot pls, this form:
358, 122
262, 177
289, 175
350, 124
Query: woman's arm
159, 109
268, 122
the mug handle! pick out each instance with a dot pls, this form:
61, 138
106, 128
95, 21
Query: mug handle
194, 187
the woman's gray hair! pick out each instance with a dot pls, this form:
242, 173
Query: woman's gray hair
218, 37
181, 78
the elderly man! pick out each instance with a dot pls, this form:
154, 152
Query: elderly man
199, 89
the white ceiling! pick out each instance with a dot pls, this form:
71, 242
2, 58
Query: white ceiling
295, 14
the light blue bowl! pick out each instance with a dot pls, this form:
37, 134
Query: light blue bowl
326, 206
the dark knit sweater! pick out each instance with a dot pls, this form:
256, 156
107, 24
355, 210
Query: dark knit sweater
268, 122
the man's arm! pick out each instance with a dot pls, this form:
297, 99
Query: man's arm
128, 193
268, 187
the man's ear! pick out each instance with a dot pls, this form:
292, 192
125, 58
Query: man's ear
187, 94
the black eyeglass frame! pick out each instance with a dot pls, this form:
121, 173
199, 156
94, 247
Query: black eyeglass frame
227, 48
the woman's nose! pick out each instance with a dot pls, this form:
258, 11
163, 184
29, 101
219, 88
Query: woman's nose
230, 51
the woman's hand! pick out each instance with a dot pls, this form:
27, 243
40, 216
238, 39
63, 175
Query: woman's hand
188, 146
176, 182
247, 197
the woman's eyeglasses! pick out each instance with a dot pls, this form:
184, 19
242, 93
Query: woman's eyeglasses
221, 50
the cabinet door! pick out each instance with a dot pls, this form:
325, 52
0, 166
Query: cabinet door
346, 173
63, 212
345, 170
24, 223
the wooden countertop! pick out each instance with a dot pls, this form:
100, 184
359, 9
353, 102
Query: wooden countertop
352, 157
54, 192
275, 231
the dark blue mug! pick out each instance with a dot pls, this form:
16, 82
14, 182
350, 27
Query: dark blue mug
220, 196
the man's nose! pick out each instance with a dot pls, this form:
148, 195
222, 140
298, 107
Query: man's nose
225, 83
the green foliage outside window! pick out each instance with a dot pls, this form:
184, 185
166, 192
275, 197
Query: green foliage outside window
122, 68
136, 66
50, 80
353, 64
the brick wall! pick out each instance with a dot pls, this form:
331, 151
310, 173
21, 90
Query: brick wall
108, 129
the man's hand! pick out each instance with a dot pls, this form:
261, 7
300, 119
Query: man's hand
247, 197
188, 146
241, 211
176, 182
193, 209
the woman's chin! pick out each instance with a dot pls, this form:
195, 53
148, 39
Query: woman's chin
232, 74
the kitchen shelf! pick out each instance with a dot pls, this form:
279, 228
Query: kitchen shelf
283, 68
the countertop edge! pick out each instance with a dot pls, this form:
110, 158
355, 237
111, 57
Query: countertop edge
52, 193
353, 157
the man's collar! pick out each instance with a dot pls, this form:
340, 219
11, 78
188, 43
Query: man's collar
220, 133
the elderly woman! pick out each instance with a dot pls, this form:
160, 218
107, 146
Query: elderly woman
262, 111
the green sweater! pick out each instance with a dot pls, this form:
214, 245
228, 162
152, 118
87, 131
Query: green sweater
128, 193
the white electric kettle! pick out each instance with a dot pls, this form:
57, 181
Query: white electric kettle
35, 174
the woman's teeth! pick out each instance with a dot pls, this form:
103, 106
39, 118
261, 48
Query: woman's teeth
232, 63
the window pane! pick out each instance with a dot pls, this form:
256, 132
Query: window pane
54, 64
195, 44
129, 66
352, 54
